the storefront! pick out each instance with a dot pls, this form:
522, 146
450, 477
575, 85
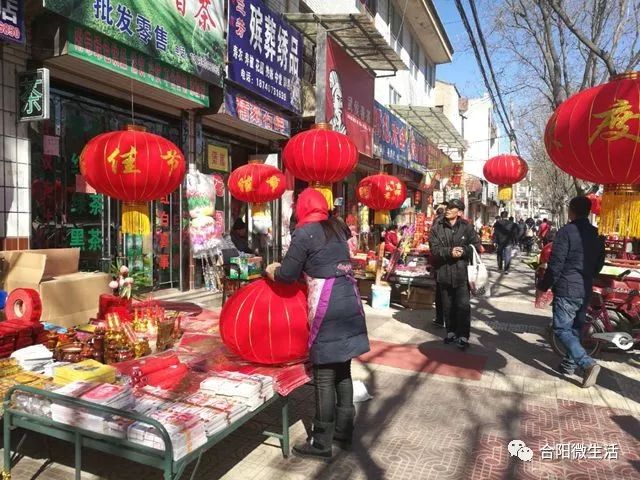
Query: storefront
105, 76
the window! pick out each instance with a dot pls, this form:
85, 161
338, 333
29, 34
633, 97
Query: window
429, 74
394, 96
414, 54
395, 20
371, 6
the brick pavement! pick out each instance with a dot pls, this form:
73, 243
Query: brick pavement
424, 425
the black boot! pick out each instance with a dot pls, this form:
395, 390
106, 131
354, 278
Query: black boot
344, 427
318, 446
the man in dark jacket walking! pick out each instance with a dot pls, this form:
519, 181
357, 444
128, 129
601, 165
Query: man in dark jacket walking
450, 242
577, 255
504, 234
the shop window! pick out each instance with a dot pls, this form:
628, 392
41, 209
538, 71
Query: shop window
66, 212
394, 96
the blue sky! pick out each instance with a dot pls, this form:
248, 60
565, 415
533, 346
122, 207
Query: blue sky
463, 71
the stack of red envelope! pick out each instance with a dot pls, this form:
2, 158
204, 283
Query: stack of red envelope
17, 334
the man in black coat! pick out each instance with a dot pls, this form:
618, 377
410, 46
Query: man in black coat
504, 234
577, 256
439, 320
450, 242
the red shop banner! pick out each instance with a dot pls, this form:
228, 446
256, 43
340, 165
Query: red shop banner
349, 97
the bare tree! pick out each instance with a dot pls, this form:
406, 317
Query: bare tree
551, 49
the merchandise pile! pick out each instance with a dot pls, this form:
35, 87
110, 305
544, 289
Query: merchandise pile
164, 372
251, 390
34, 358
87, 371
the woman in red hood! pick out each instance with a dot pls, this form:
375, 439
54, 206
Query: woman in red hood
337, 328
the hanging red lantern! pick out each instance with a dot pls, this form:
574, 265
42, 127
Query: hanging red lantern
456, 174
257, 184
133, 166
505, 171
382, 193
266, 322
320, 156
595, 136
596, 203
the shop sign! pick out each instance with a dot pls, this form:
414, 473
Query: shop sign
116, 57
217, 157
349, 98
12, 20
454, 193
265, 53
438, 197
186, 34
417, 151
256, 113
389, 136
33, 93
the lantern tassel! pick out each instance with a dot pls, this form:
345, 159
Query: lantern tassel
619, 211
135, 218
382, 217
326, 191
505, 193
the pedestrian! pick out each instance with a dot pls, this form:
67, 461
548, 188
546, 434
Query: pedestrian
338, 330
577, 256
529, 235
543, 230
439, 320
450, 242
551, 233
504, 232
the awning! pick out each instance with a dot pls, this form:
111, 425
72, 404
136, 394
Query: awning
433, 124
356, 33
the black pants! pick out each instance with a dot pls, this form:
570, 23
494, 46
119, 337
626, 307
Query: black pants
333, 386
439, 311
504, 260
457, 309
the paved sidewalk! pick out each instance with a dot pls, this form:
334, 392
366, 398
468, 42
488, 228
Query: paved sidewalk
438, 413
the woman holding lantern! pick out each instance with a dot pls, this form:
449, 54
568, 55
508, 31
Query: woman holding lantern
338, 331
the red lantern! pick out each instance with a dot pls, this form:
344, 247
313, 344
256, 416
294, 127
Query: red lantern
257, 183
266, 322
596, 203
595, 136
133, 166
456, 174
382, 193
320, 156
504, 171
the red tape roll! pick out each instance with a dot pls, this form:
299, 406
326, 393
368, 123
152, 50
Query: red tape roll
24, 304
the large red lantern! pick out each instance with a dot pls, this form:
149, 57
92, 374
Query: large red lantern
257, 184
133, 166
266, 322
505, 171
595, 136
320, 156
382, 193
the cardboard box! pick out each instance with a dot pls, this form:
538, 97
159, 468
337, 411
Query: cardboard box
419, 298
69, 297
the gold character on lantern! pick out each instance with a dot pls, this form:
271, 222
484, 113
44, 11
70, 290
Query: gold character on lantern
128, 160
393, 189
273, 182
245, 184
365, 191
171, 158
112, 159
614, 122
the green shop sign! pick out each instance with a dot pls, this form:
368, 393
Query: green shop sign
186, 34
106, 53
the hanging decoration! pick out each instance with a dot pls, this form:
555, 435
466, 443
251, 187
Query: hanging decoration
456, 174
133, 166
595, 136
257, 183
320, 157
266, 322
505, 171
382, 193
596, 203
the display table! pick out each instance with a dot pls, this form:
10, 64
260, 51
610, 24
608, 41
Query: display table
161, 459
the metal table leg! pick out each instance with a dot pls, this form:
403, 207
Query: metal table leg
78, 459
6, 471
284, 443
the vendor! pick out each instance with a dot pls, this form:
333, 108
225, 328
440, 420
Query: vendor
391, 239
240, 237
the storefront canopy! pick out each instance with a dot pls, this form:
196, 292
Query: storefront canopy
433, 124
356, 33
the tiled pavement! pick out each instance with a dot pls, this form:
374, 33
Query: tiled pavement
425, 425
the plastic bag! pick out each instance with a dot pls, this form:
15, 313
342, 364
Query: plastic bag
360, 393
477, 274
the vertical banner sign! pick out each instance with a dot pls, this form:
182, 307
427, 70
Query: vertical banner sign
12, 20
389, 136
33, 95
349, 97
185, 34
417, 152
265, 53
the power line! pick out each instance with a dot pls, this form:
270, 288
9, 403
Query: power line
476, 52
474, 11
